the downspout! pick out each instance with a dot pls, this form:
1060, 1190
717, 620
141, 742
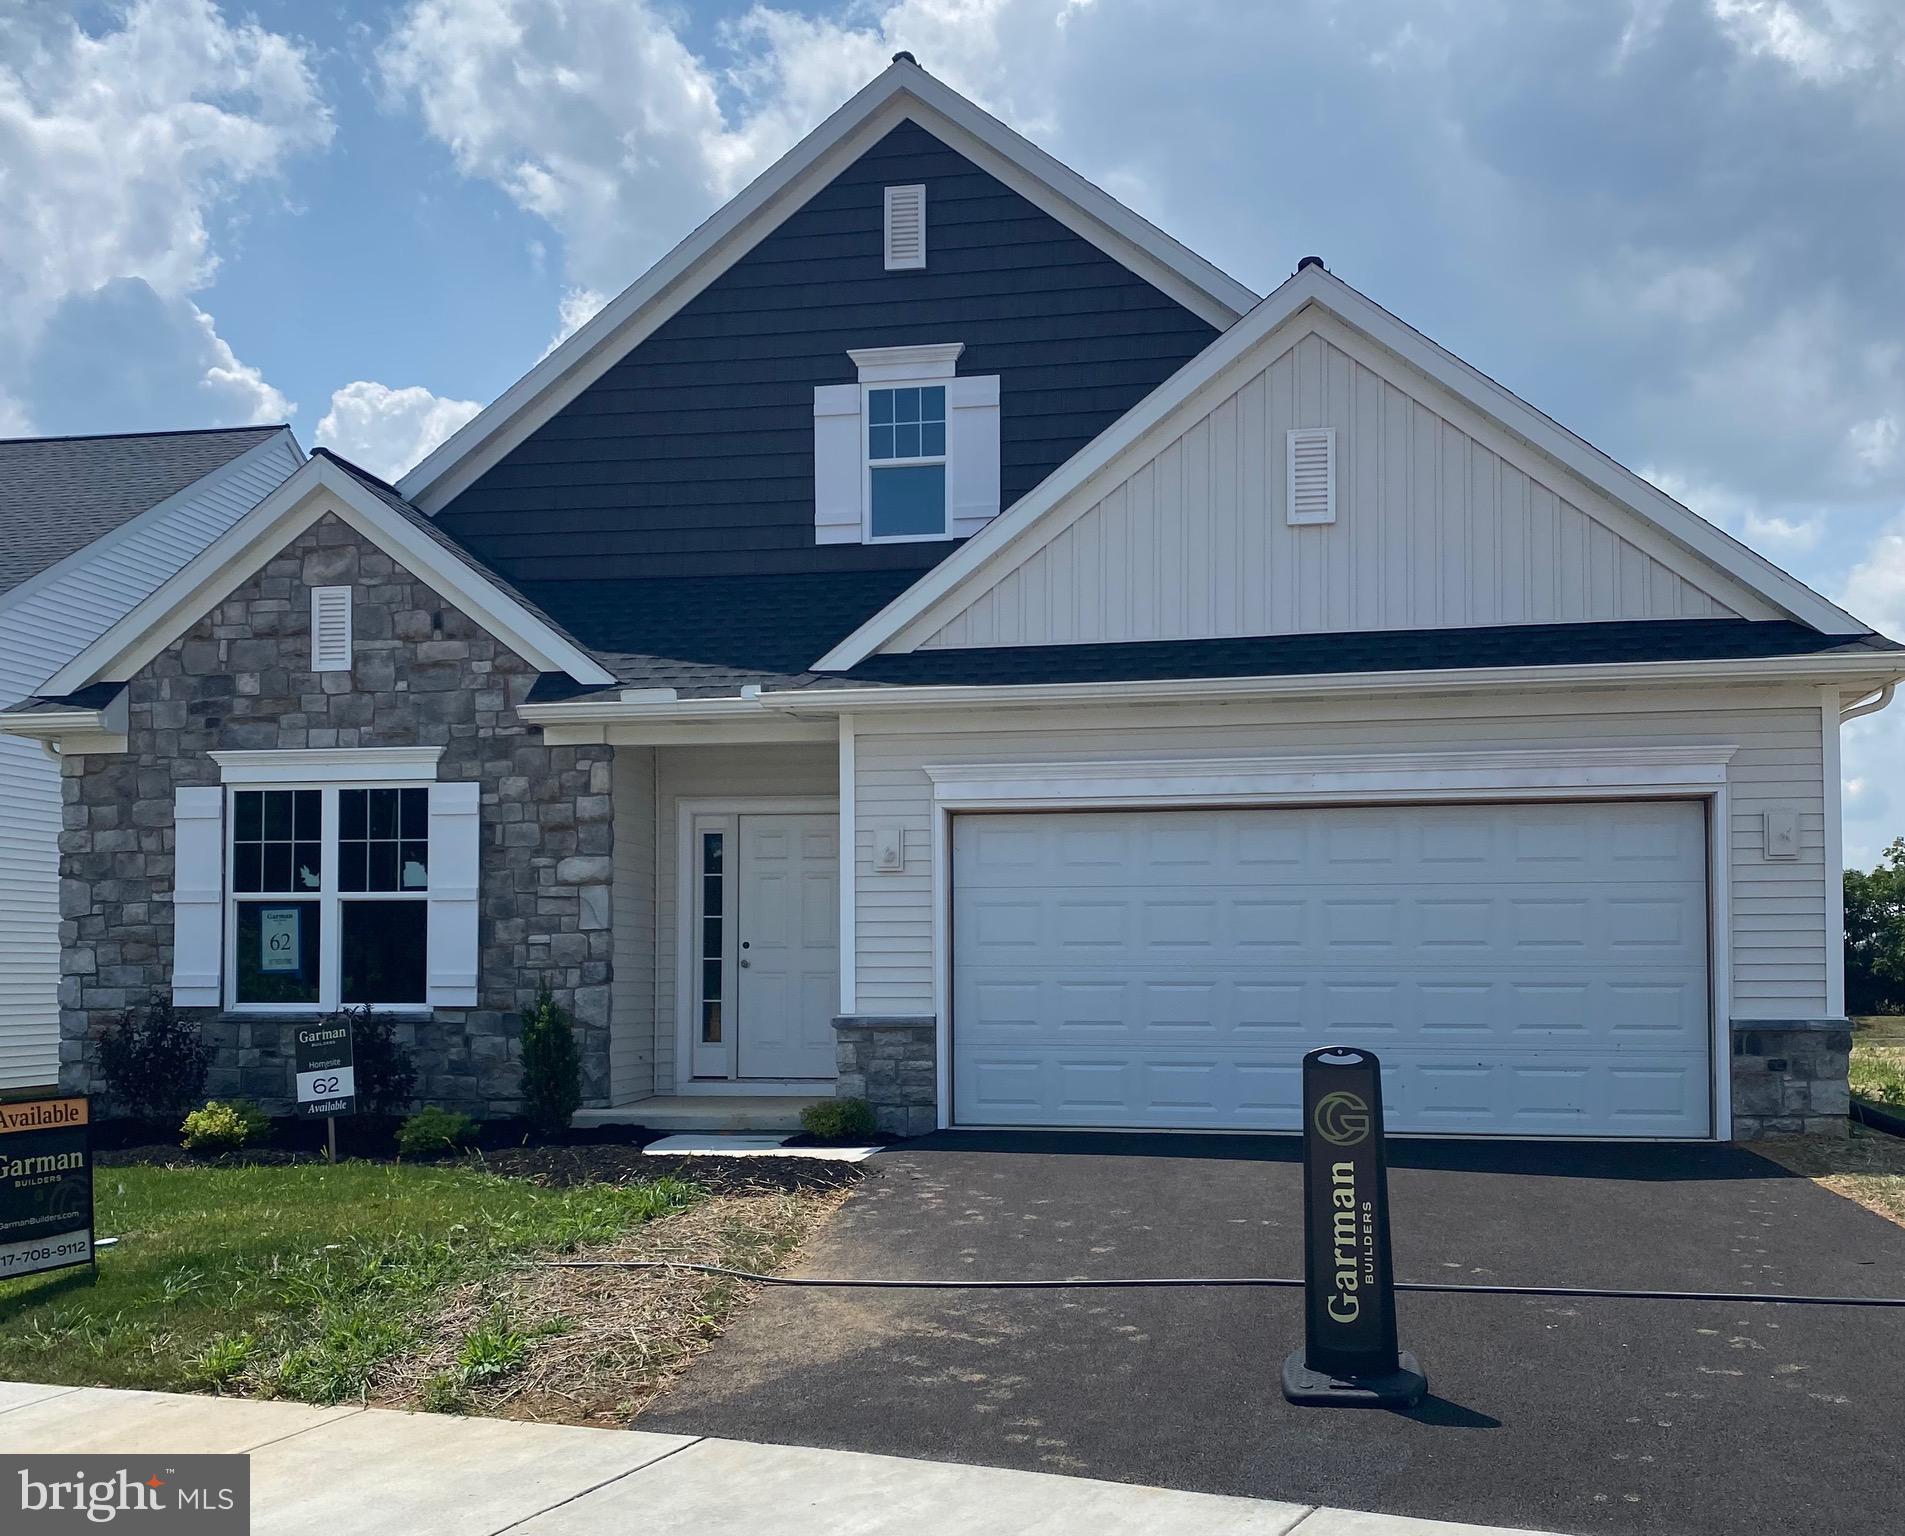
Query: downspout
1871, 704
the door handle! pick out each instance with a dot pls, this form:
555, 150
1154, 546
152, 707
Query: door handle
744, 965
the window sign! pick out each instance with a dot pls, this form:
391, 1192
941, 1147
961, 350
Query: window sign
279, 949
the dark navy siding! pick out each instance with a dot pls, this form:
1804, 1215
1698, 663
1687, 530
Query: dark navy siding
694, 454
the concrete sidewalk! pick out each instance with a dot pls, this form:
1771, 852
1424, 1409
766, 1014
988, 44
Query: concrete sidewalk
371, 1471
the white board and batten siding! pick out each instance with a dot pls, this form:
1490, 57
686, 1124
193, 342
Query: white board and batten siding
1440, 520
43, 624
1777, 909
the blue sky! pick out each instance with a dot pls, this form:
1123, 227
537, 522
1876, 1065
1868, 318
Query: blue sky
1676, 225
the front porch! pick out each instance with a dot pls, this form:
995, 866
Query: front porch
727, 921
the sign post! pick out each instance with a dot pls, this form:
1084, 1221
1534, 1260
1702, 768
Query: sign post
46, 1185
1349, 1356
327, 1076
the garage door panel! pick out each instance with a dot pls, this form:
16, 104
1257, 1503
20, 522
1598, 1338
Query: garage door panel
1522, 969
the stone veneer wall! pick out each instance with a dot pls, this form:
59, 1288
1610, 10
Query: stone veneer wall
423, 674
1789, 1078
893, 1064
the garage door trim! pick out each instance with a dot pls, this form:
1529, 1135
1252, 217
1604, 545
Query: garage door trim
1480, 777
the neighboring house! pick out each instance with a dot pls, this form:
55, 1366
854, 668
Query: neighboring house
88, 527
936, 638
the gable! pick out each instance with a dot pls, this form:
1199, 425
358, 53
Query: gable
693, 454
324, 486
1441, 520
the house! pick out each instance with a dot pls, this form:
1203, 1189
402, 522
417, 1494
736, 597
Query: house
88, 527
935, 638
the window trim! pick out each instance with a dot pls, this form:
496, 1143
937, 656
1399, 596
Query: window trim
924, 461
329, 771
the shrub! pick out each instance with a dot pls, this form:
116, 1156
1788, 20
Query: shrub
431, 1130
386, 1076
224, 1125
154, 1060
552, 1066
838, 1119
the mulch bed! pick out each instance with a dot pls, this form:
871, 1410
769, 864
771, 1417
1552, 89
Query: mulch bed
562, 1166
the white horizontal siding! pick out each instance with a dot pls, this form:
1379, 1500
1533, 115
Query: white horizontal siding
779, 770
632, 992
1778, 907
49, 620
1441, 521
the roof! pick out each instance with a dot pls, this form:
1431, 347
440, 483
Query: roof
901, 91
1010, 536
59, 494
1396, 650
709, 636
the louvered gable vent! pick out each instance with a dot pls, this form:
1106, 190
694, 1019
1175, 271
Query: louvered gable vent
330, 629
1312, 476
905, 228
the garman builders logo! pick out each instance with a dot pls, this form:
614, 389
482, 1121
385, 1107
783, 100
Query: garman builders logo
1342, 1119
139, 1495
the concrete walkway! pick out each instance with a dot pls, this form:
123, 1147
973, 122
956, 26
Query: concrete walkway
374, 1472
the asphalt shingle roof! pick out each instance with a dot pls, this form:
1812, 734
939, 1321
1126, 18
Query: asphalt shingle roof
59, 494
1394, 650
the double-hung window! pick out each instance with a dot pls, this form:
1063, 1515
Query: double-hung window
329, 889
906, 461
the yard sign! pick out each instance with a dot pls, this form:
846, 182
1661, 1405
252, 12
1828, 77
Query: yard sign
46, 1185
327, 1080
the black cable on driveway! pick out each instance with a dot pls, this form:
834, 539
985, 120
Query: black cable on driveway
1195, 1282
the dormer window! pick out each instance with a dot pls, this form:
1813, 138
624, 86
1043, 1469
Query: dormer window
910, 452
906, 462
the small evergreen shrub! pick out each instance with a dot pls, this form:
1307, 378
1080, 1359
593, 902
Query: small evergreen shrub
154, 1060
386, 1076
552, 1065
431, 1130
838, 1120
224, 1125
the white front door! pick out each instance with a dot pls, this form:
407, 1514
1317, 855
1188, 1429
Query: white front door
787, 945
1520, 969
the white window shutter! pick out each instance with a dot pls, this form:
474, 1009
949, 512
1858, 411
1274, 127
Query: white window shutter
905, 228
973, 451
330, 629
198, 897
839, 464
1310, 490
455, 892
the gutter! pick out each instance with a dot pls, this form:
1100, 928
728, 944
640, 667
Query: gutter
1881, 669
63, 729
1871, 704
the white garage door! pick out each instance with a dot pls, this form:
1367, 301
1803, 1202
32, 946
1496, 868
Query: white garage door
1520, 969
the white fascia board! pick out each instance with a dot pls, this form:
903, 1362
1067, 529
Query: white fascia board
1236, 348
899, 92
1866, 671
316, 488
158, 512
64, 729
1783, 669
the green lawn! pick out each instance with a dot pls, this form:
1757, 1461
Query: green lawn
1878, 1062
292, 1281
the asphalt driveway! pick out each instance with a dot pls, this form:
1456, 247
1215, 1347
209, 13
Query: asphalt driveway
1590, 1416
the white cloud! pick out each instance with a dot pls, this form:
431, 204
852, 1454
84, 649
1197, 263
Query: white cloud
1776, 535
116, 146
1875, 590
388, 431
1817, 48
596, 116
577, 309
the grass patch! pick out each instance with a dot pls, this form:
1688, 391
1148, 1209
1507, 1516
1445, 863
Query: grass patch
1867, 1166
298, 1280
609, 1340
1877, 1072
